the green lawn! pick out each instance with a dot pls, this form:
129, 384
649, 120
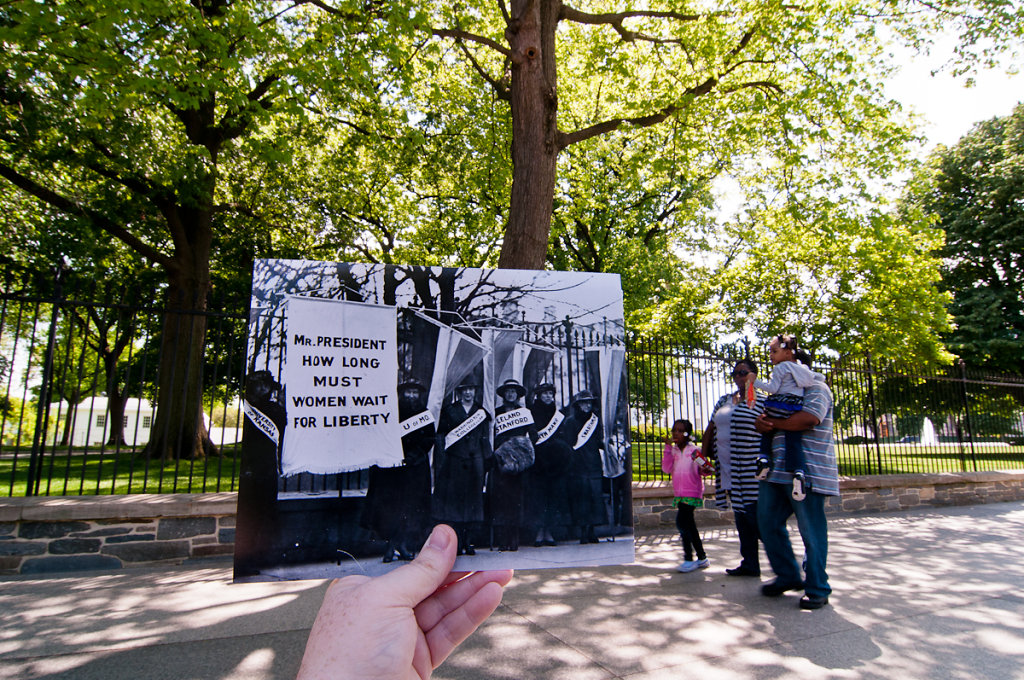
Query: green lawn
118, 473
127, 473
913, 458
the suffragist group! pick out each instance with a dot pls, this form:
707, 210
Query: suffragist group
542, 475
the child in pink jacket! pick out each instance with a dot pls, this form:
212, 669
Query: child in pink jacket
688, 468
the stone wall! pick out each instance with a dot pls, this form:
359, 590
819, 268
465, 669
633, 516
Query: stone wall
74, 533
652, 501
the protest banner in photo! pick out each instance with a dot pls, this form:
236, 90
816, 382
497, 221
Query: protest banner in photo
374, 409
341, 371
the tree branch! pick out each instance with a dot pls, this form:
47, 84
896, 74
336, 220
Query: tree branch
140, 185
71, 207
459, 34
568, 139
499, 87
236, 122
616, 19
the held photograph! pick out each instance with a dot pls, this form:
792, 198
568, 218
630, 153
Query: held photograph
381, 400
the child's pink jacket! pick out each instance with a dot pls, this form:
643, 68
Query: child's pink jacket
687, 480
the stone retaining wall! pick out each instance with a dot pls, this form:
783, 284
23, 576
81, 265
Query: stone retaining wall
73, 533
652, 501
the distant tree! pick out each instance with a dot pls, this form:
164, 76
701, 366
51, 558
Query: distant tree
975, 190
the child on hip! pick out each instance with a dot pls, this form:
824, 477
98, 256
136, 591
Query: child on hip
791, 373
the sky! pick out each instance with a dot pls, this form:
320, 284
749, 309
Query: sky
948, 107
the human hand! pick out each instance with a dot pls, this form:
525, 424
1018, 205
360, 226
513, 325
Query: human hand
763, 425
402, 624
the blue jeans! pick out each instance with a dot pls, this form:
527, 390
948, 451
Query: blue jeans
775, 505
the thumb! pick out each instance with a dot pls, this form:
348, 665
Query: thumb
412, 583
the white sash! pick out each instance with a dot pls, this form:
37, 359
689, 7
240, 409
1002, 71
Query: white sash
262, 421
551, 427
588, 429
464, 428
517, 417
416, 422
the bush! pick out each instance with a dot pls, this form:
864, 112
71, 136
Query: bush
658, 435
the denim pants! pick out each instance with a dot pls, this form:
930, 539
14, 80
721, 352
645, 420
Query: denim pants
775, 505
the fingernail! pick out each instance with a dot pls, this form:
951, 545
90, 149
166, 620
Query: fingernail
439, 539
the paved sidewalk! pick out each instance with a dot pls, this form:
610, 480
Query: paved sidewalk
932, 593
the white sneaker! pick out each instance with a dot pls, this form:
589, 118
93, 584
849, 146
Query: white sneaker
799, 486
764, 466
693, 565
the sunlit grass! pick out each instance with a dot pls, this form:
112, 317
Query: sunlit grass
72, 473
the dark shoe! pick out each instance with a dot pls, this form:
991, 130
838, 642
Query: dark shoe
537, 544
551, 542
774, 588
470, 550
813, 601
741, 571
388, 557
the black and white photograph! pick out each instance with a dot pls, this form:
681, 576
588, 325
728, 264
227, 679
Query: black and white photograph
381, 400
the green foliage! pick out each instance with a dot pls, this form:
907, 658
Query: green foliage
975, 190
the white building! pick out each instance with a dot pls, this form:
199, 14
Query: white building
90, 424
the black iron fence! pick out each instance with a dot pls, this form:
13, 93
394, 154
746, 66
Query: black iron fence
889, 419
79, 379
78, 386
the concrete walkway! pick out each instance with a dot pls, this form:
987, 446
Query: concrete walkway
932, 593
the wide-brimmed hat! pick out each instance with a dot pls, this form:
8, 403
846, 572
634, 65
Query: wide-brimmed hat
466, 384
514, 384
583, 395
411, 385
544, 387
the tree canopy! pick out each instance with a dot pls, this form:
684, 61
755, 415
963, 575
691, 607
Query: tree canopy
164, 126
975, 190
532, 133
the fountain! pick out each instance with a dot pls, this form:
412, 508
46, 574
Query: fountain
928, 433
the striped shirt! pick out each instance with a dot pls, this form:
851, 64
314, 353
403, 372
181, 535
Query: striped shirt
819, 448
736, 446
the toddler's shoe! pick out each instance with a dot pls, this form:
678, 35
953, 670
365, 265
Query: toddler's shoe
799, 486
763, 467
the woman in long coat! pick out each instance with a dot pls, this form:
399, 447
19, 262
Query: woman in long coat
514, 434
583, 432
398, 498
462, 450
546, 484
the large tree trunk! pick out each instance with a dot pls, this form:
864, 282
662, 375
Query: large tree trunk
178, 429
534, 103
